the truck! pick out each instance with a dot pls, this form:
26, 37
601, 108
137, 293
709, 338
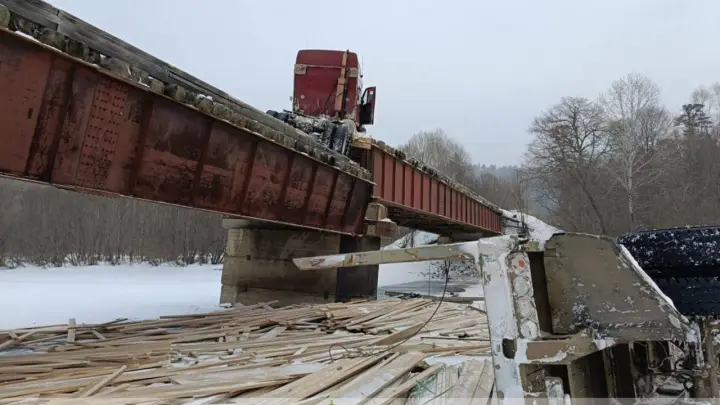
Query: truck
573, 317
328, 98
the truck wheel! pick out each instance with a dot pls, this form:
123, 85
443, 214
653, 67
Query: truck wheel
346, 150
326, 136
339, 139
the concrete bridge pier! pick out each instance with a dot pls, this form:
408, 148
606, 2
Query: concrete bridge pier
361, 281
258, 266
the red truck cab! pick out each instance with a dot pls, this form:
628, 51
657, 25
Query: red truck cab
329, 83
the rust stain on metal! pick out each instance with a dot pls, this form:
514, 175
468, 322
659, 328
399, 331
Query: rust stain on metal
71, 124
350, 260
414, 192
23, 76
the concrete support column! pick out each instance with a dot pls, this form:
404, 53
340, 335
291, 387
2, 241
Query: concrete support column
258, 265
357, 282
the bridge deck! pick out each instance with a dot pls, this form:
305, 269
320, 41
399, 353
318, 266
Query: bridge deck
71, 124
418, 200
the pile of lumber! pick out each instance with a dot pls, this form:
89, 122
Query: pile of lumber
380, 352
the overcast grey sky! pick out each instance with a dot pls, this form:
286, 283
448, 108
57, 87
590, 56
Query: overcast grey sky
481, 70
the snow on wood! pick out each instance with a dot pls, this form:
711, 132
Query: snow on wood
345, 352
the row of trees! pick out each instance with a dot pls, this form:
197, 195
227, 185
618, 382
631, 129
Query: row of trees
47, 226
624, 162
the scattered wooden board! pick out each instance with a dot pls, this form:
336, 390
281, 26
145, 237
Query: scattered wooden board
352, 353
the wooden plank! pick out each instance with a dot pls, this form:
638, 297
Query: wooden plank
273, 333
471, 375
315, 383
389, 396
301, 354
372, 383
71, 331
100, 384
15, 340
457, 300
97, 334
36, 11
484, 390
402, 335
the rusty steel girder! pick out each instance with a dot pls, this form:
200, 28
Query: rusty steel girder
417, 200
66, 122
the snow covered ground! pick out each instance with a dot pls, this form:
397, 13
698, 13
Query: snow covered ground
400, 273
93, 294
96, 294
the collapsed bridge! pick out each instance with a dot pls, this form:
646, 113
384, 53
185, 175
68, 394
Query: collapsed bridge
85, 111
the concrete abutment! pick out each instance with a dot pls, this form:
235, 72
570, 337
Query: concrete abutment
258, 266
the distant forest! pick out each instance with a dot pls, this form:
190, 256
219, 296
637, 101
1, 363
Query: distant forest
623, 162
46, 226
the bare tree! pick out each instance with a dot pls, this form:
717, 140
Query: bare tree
9, 205
636, 122
439, 269
619, 164
519, 192
437, 150
569, 146
709, 97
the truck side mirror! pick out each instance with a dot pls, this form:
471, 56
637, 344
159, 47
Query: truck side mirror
367, 106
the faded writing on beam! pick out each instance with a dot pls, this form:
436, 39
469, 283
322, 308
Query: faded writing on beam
455, 251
